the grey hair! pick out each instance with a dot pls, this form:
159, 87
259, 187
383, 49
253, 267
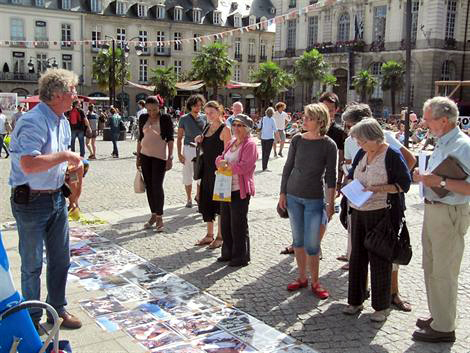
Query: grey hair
442, 107
270, 111
54, 81
355, 112
368, 129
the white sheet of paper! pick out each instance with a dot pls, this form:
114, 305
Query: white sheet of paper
355, 194
422, 170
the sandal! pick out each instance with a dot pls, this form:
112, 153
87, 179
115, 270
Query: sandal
216, 243
287, 250
297, 284
401, 305
208, 239
319, 291
150, 222
159, 227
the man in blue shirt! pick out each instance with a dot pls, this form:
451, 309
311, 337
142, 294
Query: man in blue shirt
40, 158
446, 221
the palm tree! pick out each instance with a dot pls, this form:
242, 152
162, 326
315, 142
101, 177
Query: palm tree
364, 84
272, 79
102, 68
328, 80
393, 79
213, 66
310, 67
164, 80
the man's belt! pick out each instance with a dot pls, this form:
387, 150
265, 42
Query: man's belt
50, 191
429, 202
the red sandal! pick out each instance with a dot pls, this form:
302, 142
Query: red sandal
319, 291
297, 284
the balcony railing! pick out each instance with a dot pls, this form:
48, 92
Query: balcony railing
66, 46
41, 43
145, 51
159, 51
290, 52
20, 44
251, 58
263, 58
18, 76
238, 56
338, 47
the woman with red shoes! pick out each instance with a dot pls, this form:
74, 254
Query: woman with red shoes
312, 158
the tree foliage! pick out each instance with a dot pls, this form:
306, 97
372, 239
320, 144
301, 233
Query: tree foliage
164, 80
393, 74
310, 67
328, 80
364, 84
101, 71
213, 66
273, 81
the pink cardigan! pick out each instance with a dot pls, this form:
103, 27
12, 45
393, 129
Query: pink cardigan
245, 167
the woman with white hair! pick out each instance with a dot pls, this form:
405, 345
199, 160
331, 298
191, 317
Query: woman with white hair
382, 170
268, 132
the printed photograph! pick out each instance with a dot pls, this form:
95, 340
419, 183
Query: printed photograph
263, 337
295, 348
128, 293
144, 274
153, 308
125, 319
193, 326
222, 342
154, 335
170, 284
232, 319
102, 306
179, 348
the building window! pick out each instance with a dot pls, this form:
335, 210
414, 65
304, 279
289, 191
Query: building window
143, 70
177, 68
141, 10
414, 19
197, 44
251, 47
16, 29
143, 38
95, 5
67, 61
121, 37
178, 13
177, 36
66, 4
343, 28
262, 48
160, 12
161, 63
160, 38
197, 15
95, 37
39, 3
448, 71
217, 18
380, 20
17, 2
252, 20
66, 35
450, 20
237, 21
376, 70
292, 4
263, 23
312, 30
236, 73
18, 62
40, 30
121, 8
238, 47
41, 61
251, 70
291, 29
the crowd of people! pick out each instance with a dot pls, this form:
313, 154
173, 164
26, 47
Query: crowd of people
323, 157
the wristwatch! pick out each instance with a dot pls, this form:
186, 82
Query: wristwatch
443, 183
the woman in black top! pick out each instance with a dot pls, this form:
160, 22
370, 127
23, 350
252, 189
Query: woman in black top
155, 156
215, 137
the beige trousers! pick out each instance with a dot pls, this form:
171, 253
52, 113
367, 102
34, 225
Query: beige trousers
444, 229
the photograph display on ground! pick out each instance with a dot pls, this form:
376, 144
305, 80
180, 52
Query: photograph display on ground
154, 335
124, 319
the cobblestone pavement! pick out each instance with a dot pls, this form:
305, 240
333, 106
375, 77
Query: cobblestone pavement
259, 288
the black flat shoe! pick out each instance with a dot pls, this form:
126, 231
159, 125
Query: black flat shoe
223, 259
238, 263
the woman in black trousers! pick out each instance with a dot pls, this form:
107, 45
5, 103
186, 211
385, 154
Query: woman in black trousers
155, 156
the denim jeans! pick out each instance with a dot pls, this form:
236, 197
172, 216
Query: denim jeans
44, 220
80, 134
305, 216
115, 138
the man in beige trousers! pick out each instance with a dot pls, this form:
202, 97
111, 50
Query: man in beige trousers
445, 224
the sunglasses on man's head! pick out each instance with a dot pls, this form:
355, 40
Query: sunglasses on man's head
238, 125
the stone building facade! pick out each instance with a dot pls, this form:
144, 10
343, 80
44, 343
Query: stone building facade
146, 21
355, 35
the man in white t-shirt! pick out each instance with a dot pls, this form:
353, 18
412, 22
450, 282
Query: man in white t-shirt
237, 108
353, 114
142, 110
281, 118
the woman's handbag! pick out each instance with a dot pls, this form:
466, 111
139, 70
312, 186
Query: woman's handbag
282, 212
381, 240
198, 161
402, 251
139, 185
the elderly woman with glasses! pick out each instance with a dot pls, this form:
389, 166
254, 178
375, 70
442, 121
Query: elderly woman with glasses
311, 160
382, 170
240, 157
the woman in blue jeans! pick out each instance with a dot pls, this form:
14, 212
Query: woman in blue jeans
312, 159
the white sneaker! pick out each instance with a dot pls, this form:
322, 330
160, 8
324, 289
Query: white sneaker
380, 316
352, 309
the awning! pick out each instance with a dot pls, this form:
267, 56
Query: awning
35, 99
235, 84
182, 86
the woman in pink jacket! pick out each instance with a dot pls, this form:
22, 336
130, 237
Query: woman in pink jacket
240, 156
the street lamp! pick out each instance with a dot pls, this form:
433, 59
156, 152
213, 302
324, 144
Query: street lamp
48, 64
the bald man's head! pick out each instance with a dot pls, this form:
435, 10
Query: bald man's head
237, 108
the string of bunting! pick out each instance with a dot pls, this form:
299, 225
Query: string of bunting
202, 39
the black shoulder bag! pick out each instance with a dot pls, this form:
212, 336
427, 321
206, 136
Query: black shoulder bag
198, 160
